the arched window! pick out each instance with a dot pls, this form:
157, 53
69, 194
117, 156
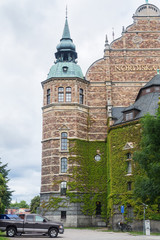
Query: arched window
68, 94
81, 96
63, 141
48, 96
60, 94
63, 165
63, 188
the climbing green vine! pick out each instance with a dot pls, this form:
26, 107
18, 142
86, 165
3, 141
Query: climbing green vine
87, 183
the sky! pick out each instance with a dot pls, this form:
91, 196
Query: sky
30, 30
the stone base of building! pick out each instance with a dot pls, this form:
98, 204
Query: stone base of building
136, 225
71, 215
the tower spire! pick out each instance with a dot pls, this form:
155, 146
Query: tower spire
66, 50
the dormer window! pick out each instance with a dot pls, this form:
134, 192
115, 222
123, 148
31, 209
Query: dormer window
129, 116
65, 68
130, 113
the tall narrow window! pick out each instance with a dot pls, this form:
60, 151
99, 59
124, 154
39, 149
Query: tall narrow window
129, 167
63, 141
130, 211
60, 94
98, 208
63, 214
63, 188
48, 96
81, 96
129, 186
68, 94
63, 165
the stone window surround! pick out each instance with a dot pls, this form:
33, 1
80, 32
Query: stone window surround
63, 165
64, 141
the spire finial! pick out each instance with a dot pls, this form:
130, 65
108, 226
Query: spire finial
66, 12
113, 33
106, 43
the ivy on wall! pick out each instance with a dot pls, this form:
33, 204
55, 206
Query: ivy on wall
87, 183
121, 184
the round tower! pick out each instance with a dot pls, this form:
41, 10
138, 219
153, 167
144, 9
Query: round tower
65, 112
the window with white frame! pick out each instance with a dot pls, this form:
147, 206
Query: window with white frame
63, 141
63, 165
60, 94
68, 94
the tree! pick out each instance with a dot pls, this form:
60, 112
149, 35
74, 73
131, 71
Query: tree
5, 193
21, 204
147, 185
35, 203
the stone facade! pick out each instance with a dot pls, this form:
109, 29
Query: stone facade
113, 81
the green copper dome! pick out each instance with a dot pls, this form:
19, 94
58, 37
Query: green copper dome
66, 45
65, 69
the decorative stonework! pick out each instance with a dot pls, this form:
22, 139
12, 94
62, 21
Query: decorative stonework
137, 39
129, 145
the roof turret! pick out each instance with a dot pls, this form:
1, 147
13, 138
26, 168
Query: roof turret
66, 50
65, 64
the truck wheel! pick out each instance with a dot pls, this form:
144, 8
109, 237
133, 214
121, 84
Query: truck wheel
53, 232
11, 232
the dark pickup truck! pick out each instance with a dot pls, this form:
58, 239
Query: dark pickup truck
32, 223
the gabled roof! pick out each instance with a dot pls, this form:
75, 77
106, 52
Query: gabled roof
155, 81
145, 104
130, 108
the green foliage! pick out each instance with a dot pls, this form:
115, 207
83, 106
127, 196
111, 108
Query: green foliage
117, 175
5, 193
21, 204
87, 184
35, 202
53, 204
147, 186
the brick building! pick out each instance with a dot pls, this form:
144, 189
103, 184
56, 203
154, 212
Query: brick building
78, 107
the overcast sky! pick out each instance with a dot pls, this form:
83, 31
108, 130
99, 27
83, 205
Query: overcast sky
29, 33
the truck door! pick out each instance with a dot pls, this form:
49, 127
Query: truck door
29, 223
41, 225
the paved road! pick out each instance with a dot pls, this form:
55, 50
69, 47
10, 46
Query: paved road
77, 234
